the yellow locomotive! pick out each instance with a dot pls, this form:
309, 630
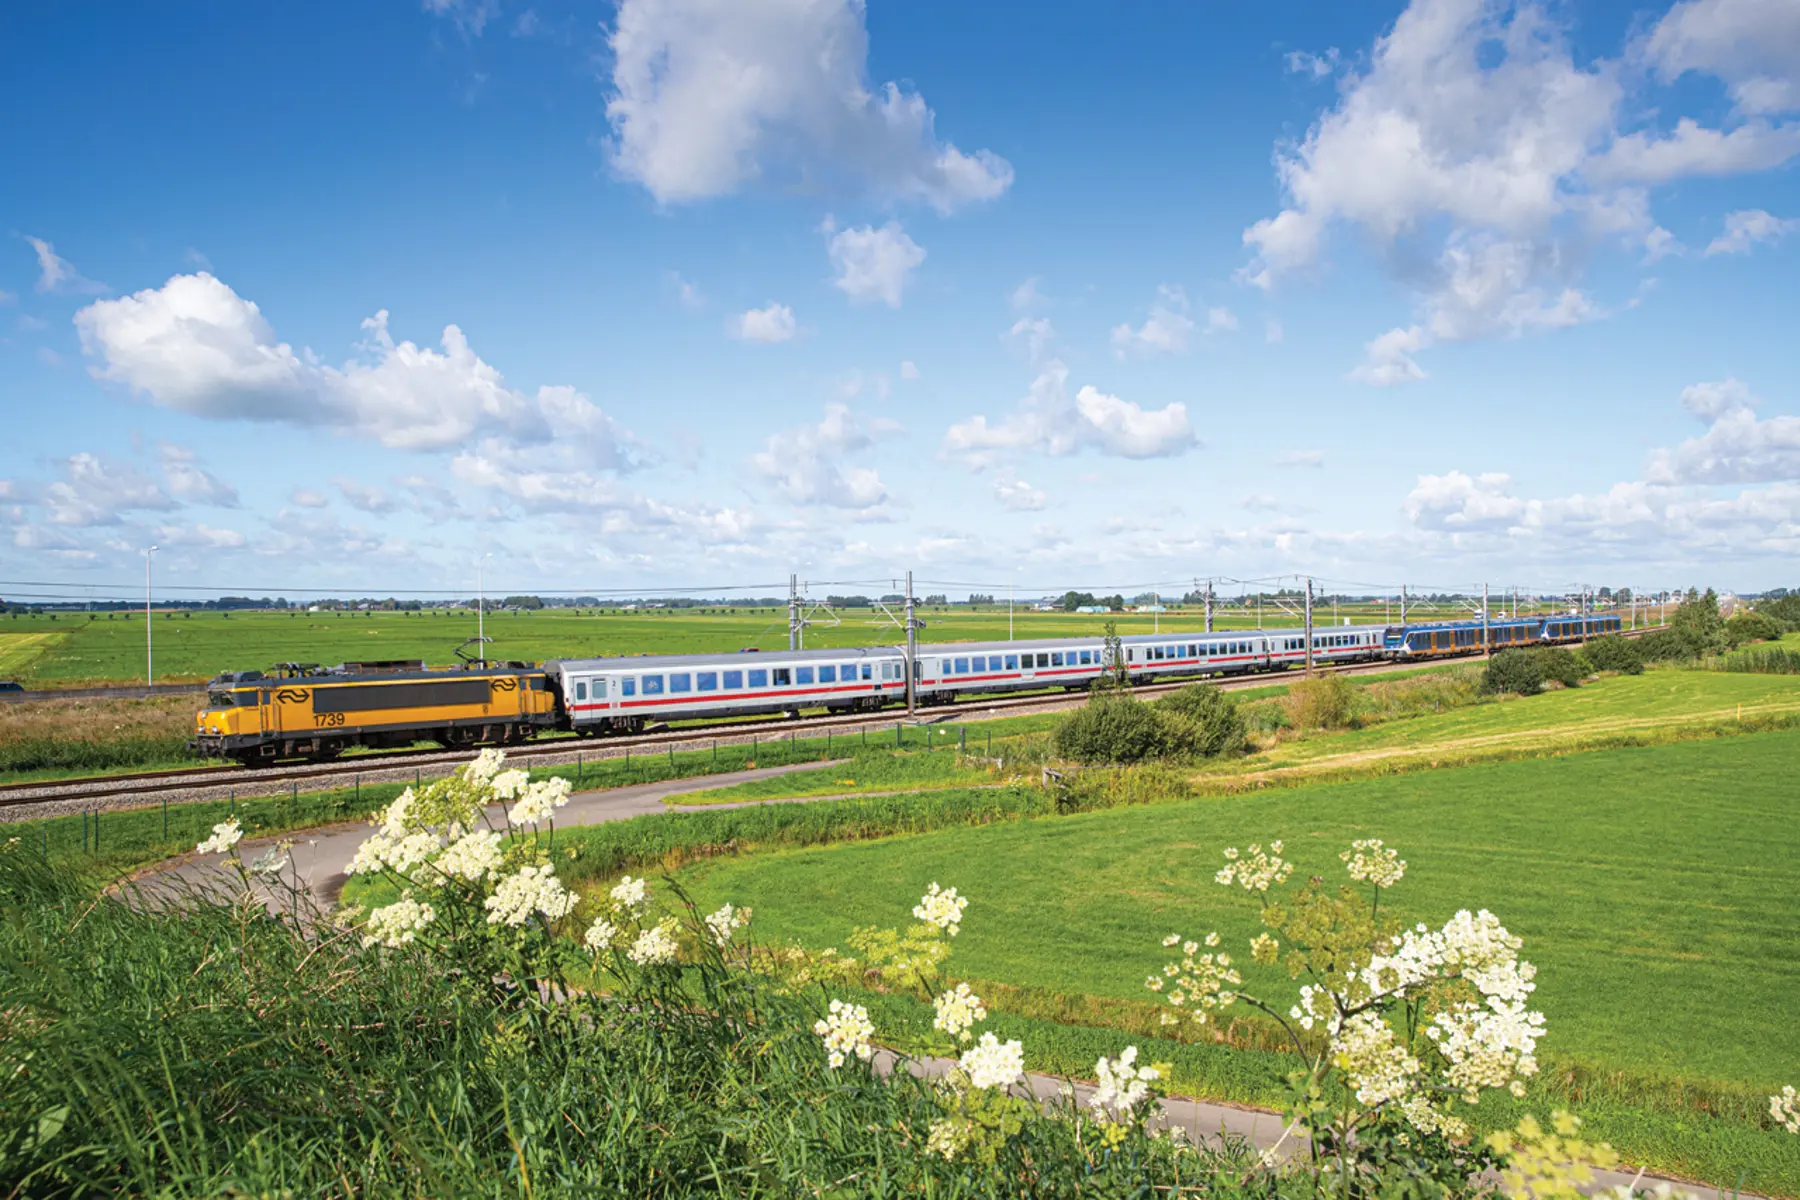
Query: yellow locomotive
306, 711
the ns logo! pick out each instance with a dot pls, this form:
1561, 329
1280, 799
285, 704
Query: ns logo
293, 695
505, 684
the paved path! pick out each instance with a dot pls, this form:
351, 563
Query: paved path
320, 856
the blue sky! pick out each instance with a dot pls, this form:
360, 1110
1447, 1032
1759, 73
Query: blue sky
699, 292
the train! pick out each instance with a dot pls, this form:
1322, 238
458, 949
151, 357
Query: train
306, 711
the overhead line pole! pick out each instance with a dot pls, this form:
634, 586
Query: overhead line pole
912, 648
1487, 646
794, 611
1309, 627
1403, 604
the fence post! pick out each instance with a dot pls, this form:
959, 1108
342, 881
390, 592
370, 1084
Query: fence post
96, 831
358, 800
896, 735
990, 743
671, 756
962, 738
165, 808
578, 770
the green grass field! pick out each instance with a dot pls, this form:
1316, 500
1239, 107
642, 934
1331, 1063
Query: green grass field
1654, 888
70, 649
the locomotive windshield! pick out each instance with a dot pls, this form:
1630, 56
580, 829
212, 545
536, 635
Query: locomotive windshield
219, 699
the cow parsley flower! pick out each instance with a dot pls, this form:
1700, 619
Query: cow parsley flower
1371, 862
1258, 872
600, 935
948, 1137
509, 783
532, 890
1123, 1085
539, 801
487, 764
272, 861
474, 856
398, 923
958, 1011
654, 947
631, 896
725, 922
992, 1063
943, 909
1490, 1045
1785, 1108
1364, 1049
846, 1030
1207, 981
225, 835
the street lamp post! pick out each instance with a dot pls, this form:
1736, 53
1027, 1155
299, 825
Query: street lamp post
149, 625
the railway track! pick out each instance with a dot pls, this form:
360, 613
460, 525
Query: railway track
202, 783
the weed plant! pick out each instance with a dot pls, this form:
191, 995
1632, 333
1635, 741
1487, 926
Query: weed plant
262, 1057
51, 736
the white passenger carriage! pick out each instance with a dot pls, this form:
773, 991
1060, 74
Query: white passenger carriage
624, 694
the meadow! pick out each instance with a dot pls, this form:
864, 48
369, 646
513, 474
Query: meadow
1652, 887
89, 649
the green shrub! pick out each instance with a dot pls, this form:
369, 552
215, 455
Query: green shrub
1785, 611
1670, 645
1748, 627
1205, 722
1514, 671
1615, 653
1324, 702
1115, 729
1559, 664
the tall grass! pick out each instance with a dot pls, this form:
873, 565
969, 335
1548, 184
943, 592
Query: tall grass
219, 1051
94, 735
1760, 660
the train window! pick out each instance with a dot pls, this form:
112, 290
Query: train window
803, 674
868, 671
759, 679
1087, 658
653, 685
708, 681
980, 663
828, 674
1056, 658
734, 679
961, 667
1043, 660
581, 691
783, 677
1012, 662
682, 682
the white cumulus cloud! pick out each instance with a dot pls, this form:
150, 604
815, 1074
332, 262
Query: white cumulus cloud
708, 95
1743, 230
1737, 446
1047, 421
810, 464
872, 264
1165, 329
1016, 495
196, 346
774, 323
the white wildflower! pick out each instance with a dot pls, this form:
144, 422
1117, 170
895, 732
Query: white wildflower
1364, 1049
1371, 862
654, 946
225, 835
992, 1063
725, 922
600, 934
631, 896
1487, 1046
398, 923
958, 1011
1258, 872
846, 1030
1123, 1085
397, 816
532, 890
1204, 983
272, 861
487, 764
943, 909
474, 856
509, 783
539, 801
949, 1137
1785, 1108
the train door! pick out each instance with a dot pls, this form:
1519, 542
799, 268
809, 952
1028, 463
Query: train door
1028, 665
